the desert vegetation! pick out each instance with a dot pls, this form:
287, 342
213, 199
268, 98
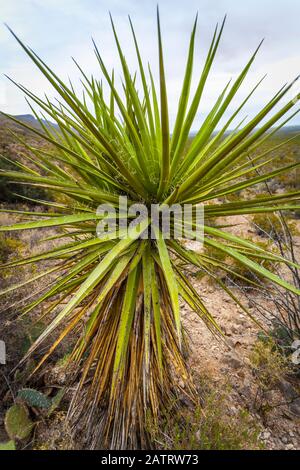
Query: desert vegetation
135, 342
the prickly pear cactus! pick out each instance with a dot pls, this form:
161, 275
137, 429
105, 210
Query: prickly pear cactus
10, 445
34, 398
55, 402
18, 425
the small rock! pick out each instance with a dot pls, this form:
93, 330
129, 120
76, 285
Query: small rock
233, 343
233, 361
291, 396
295, 407
241, 373
288, 390
290, 447
232, 411
226, 331
265, 435
236, 329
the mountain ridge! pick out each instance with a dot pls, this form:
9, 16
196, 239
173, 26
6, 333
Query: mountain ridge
31, 120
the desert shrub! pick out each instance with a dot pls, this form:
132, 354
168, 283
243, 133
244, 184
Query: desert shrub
248, 275
284, 306
270, 368
269, 364
233, 271
207, 426
7, 188
270, 226
9, 247
289, 180
234, 197
280, 341
243, 276
217, 257
214, 254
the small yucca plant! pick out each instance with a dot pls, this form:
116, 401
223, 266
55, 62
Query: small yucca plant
125, 290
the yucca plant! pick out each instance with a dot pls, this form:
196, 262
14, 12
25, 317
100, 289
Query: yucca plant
126, 290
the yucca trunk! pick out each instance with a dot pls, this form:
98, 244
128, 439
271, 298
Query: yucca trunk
120, 412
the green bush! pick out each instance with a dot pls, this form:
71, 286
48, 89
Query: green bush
270, 226
207, 426
7, 188
8, 247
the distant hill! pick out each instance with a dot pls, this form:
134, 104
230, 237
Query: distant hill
28, 119
290, 130
284, 130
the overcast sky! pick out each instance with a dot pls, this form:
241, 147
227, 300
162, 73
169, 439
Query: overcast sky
59, 29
